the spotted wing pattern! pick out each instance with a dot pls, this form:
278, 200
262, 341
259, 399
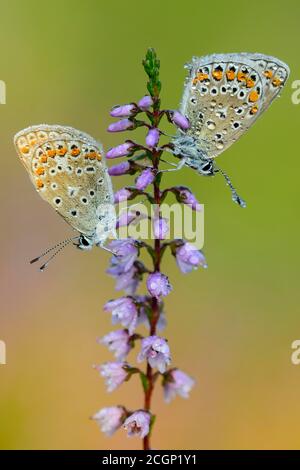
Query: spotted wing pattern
225, 93
68, 170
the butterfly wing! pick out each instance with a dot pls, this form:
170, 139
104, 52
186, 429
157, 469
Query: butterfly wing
68, 169
224, 94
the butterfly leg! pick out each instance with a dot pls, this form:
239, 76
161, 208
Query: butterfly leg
179, 166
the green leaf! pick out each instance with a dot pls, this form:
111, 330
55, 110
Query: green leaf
145, 381
152, 421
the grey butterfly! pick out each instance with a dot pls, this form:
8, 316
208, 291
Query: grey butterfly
67, 168
223, 96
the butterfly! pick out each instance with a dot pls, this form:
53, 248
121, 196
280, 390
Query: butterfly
223, 96
67, 168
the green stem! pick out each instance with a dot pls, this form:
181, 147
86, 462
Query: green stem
156, 267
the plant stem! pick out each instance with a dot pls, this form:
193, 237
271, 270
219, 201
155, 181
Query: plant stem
156, 267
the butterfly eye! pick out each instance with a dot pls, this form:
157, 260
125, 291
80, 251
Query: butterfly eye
207, 168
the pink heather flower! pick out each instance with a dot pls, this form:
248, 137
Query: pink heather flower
158, 284
123, 111
152, 137
177, 383
189, 258
120, 151
144, 179
123, 311
114, 374
120, 169
138, 424
110, 419
187, 197
128, 281
145, 102
122, 195
156, 351
126, 252
117, 342
125, 218
179, 120
160, 228
120, 126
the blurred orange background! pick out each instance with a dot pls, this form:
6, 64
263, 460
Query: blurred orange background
231, 326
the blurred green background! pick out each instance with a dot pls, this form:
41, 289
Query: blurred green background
230, 326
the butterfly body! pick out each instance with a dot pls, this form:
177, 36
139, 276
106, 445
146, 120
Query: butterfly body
67, 168
223, 96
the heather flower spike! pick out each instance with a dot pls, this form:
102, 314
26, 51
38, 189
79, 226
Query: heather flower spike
156, 351
120, 151
110, 419
114, 373
152, 137
189, 258
179, 120
133, 309
145, 178
145, 103
118, 342
185, 196
123, 111
160, 227
120, 169
138, 424
158, 285
175, 383
119, 126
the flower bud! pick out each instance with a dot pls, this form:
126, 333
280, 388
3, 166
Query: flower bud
120, 126
145, 102
179, 120
120, 169
152, 137
120, 151
144, 179
123, 111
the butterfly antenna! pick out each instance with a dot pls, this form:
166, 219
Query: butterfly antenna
68, 240
61, 247
235, 197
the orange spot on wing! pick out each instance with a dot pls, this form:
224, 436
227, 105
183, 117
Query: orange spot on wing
250, 83
268, 73
75, 152
217, 74
276, 81
62, 152
93, 155
99, 157
254, 110
253, 96
230, 74
40, 171
25, 149
51, 153
39, 184
241, 76
200, 77
43, 159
